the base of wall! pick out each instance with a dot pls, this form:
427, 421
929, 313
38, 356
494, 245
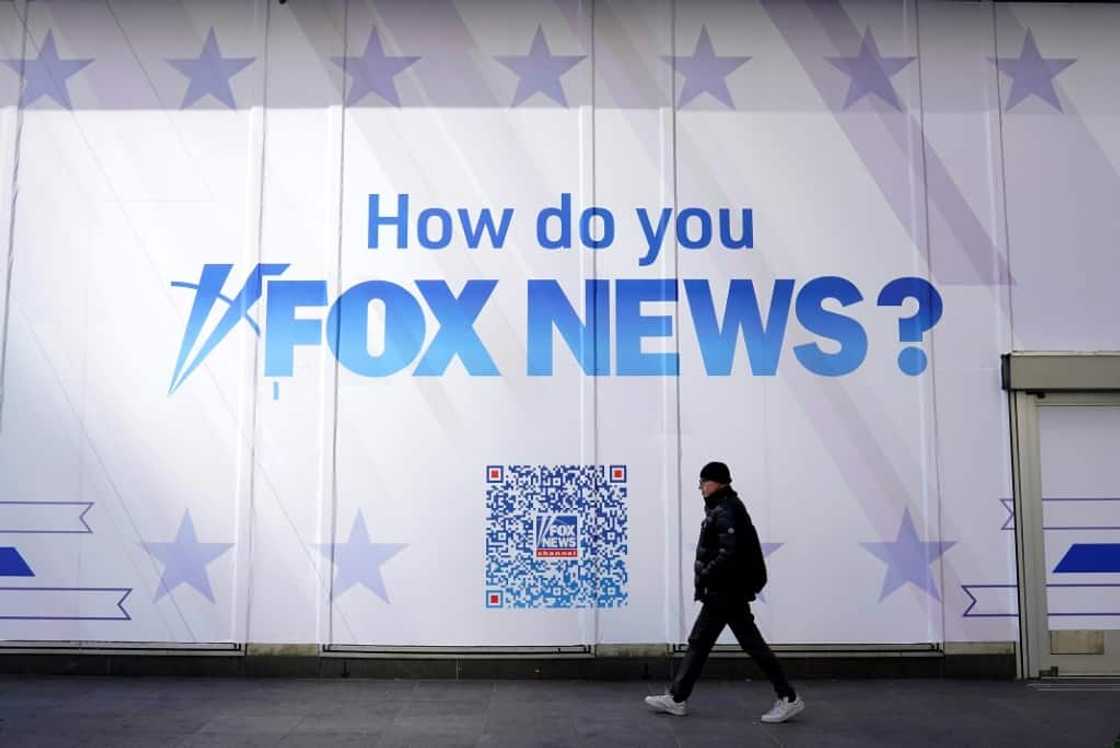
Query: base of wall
587, 667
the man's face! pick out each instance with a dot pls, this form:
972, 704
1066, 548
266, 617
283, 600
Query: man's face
709, 487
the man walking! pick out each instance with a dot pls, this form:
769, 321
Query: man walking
729, 572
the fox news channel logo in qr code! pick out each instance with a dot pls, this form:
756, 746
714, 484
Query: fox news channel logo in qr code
556, 536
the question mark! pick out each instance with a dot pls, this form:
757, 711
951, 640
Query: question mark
912, 360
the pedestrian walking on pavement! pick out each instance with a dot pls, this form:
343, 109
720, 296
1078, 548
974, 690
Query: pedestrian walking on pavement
729, 572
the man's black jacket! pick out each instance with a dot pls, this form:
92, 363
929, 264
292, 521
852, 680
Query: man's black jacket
729, 566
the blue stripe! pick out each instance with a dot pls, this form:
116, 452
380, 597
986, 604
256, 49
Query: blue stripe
1090, 558
13, 565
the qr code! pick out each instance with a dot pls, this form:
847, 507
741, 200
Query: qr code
556, 536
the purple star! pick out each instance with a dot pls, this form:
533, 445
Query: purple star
870, 72
1031, 73
359, 561
209, 73
704, 71
908, 559
185, 559
540, 71
767, 549
373, 72
46, 75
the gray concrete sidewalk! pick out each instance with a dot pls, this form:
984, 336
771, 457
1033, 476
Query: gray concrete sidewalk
64, 711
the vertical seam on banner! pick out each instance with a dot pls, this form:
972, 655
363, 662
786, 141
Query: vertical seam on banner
254, 393
931, 344
338, 278
1003, 178
13, 186
83, 401
676, 272
595, 337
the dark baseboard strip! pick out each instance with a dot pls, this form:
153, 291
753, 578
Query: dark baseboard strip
989, 666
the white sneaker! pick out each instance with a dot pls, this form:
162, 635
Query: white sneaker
665, 703
784, 709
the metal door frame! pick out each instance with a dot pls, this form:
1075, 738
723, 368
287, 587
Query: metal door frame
1038, 380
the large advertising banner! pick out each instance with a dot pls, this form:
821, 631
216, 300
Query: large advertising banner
402, 324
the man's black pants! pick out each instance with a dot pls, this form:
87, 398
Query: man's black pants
709, 624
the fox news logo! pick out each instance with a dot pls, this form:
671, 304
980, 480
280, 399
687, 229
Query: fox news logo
557, 536
290, 322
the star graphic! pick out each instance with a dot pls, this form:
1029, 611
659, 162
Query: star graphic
767, 549
185, 559
704, 70
1031, 73
46, 75
359, 561
373, 72
908, 559
870, 72
209, 73
539, 71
